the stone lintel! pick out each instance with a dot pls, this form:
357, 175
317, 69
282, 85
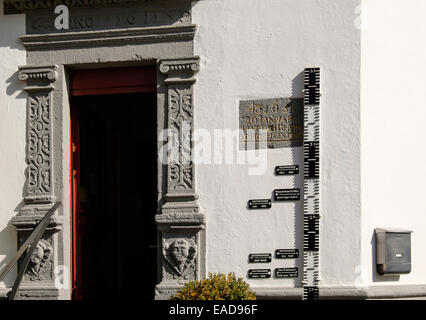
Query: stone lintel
23, 6
98, 38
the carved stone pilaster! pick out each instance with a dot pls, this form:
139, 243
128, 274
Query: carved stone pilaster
180, 169
39, 173
39, 189
181, 224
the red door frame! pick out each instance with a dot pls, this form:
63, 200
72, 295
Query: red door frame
75, 196
96, 82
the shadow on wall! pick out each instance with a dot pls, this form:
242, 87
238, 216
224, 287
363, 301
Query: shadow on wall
8, 246
8, 236
15, 87
11, 54
377, 277
297, 86
297, 182
11, 26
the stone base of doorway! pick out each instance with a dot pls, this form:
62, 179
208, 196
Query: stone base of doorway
346, 293
4, 292
38, 292
163, 291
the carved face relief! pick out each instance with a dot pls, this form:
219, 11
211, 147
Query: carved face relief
180, 251
180, 254
36, 256
39, 261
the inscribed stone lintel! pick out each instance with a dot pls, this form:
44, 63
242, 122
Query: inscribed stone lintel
26, 6
271, 123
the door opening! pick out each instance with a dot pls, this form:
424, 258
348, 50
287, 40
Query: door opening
114, 186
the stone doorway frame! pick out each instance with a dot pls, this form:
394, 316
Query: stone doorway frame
180, 222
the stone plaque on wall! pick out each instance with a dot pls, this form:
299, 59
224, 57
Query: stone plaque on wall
271, 123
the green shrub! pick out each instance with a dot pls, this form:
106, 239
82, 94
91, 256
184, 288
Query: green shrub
216, 287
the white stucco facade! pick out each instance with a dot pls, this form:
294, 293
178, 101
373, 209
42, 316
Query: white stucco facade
392, 135
12, 132
259, 49
372, 87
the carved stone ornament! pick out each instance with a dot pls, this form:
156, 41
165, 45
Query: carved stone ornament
180, 77
180, 106
179, 65
39, 146
181, 256
40, 264
48, 73
39, 158
39, 184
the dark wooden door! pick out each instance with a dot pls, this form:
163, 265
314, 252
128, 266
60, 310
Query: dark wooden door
100, 240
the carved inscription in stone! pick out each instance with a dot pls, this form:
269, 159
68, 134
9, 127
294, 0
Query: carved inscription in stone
19, 6
180, 257
271, 123
130, 16
39, 145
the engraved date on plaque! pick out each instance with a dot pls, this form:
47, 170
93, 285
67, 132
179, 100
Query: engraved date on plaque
286, 170
259, 273
260, 257
287, 194
287, 253
286, 273
260, 204
271, 123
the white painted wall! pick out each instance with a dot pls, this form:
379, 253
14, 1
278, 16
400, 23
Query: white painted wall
12, 134
393, 135
259, 48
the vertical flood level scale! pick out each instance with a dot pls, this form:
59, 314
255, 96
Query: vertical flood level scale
311, 201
